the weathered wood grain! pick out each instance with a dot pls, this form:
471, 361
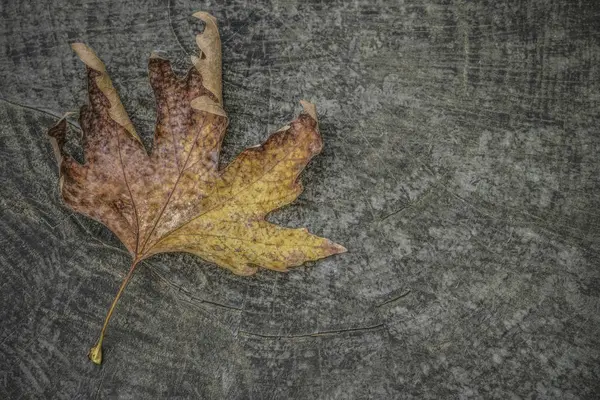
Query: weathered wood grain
460, 168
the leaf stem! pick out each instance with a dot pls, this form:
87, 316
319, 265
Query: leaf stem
95, 354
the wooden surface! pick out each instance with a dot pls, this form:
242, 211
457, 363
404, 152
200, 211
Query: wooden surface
460, 169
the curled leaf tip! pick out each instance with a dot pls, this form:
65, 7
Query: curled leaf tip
117, 111
203, 15
310, 109
88, 57
209, 62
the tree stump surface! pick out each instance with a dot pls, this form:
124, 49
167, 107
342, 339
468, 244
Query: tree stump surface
460, 169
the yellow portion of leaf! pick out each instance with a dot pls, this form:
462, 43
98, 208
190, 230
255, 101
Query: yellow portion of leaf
242, 247
230, 229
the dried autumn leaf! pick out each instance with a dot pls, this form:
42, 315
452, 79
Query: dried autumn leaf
176, 198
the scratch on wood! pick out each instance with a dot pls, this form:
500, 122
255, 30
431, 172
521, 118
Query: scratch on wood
187, 293
395, 298
39, 110
316, 334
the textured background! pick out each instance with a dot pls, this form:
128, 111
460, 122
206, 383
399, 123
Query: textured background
460, 169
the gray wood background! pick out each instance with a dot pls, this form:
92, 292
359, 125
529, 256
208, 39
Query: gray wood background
460, 169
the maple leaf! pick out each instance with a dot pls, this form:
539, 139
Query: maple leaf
176, 199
